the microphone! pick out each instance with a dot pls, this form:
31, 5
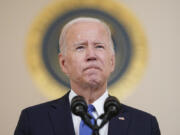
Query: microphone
112, 108
79, 108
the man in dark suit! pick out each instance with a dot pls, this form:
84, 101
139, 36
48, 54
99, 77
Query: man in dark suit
87, 58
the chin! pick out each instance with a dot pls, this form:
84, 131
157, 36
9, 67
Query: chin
94, 83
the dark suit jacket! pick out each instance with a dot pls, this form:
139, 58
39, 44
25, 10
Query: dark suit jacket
54, 118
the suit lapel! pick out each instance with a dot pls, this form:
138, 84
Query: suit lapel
61, 118
119, 124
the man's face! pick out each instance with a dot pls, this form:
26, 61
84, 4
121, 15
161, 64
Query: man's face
88, 59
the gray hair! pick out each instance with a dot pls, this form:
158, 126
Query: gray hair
62, 42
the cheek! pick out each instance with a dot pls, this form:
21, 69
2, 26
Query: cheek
108, 62
75, 65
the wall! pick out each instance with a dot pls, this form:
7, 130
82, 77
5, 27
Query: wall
157, 92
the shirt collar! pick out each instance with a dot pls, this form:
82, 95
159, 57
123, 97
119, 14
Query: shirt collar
71, 95
98, 104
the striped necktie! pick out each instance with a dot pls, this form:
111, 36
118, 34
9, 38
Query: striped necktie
84, 129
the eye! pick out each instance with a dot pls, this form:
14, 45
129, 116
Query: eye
79, 47
99, 46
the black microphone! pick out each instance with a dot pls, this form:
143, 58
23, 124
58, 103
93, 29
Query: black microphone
112, 108
79, 107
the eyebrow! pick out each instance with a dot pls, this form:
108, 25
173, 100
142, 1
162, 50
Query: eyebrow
80, 43
99, 42
86, 42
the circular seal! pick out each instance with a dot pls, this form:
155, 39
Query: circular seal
128, 37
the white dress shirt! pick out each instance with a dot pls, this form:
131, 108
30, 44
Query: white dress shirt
99, 106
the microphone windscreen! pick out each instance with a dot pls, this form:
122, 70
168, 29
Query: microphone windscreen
78, 105
113, 105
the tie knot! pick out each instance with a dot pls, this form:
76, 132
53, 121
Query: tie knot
91, 108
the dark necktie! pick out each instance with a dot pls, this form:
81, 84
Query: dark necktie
84, 129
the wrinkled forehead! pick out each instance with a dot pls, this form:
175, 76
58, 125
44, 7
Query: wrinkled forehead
86, 25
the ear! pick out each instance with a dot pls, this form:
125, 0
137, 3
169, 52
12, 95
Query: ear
62, 63
113, 62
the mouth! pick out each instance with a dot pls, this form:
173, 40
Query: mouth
92, 67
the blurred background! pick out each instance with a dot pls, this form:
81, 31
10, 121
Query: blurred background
158, 92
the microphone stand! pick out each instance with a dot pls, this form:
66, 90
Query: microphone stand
95, 129
111, 107
95, 132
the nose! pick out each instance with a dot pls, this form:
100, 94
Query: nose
90, 54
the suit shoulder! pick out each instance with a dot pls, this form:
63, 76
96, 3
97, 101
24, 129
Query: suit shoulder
136, 112
141, 121
44, 106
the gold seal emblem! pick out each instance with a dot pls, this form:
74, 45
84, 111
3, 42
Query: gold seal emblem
127, 34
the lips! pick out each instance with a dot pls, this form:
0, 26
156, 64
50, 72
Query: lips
92, 67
